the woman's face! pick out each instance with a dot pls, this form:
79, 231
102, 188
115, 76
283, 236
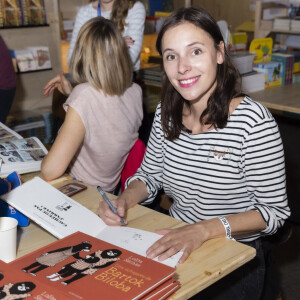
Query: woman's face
190, 61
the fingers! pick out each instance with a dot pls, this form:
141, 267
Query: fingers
108, 216
51, 85
129, 41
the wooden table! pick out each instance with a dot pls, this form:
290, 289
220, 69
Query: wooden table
212, 261
281, 98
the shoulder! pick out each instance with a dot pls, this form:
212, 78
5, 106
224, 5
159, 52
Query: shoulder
86, 11
138, 7
249, 108
135, 88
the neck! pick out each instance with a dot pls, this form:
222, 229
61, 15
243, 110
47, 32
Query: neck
105, 5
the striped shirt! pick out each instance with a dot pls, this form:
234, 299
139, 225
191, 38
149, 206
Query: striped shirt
221, 172
135, 21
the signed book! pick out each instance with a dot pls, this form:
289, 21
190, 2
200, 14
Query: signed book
61, 216
83, 267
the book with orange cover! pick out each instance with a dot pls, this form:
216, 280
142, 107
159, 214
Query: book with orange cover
163, 291
16, 284
83, 267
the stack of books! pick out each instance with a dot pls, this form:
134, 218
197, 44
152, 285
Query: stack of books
243, 61
253, 82
295, 24
283, 23
287, 61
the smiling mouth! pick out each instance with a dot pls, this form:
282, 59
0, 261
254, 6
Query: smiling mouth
188, 82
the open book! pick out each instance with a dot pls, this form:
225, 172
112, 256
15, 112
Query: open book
19, 154
62, 216
80, 266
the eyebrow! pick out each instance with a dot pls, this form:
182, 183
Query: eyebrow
189, 45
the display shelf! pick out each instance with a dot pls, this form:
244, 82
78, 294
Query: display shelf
259, 31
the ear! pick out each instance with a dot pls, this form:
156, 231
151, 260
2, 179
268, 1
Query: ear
220, 53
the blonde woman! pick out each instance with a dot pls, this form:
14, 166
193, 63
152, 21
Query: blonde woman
129, 17
103, 111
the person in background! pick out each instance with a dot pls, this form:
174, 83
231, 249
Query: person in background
103, 111
216, 152
8, 81
129, 17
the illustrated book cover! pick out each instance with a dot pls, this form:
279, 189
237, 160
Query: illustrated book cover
15, 284
61, 216
11, 13
287, 61
19, 154
84, 267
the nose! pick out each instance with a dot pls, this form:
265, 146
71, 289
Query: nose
183, 65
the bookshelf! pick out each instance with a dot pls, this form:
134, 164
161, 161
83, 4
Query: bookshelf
260, 31
29, 92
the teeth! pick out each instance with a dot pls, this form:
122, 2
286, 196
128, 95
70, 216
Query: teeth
187, 81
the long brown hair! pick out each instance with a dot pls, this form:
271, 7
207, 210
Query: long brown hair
119, 12
228, 78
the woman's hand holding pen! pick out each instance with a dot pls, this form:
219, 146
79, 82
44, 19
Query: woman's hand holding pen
61, 83
108, 216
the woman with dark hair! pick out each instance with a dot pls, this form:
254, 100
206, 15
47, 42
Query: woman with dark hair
216, 152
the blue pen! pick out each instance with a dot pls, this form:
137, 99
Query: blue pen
99, 9
109, 203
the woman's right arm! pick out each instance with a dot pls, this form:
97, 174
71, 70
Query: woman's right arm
135, 193
67, 143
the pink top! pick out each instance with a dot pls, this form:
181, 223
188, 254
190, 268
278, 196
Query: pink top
111, 124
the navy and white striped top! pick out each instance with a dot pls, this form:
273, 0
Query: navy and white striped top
221, 172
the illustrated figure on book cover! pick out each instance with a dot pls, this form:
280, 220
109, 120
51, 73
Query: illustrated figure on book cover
86, 266
18, 290
54, 257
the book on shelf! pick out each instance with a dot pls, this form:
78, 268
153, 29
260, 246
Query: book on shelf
283, 23
295, 24
253, 82
10, 13
287, 61
273, 72
34, 12
33, 58
41, 56
19, 154
25, 60
262, 48
61, 216
80, 266
296, 77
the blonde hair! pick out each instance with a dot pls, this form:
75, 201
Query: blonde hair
119, 12
101, 57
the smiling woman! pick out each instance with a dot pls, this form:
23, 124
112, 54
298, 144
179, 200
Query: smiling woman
216, 152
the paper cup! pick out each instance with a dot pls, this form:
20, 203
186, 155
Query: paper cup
8, 239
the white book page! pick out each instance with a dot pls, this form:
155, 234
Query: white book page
51, 209
135, 240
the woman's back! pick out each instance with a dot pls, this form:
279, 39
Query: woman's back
111, 124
